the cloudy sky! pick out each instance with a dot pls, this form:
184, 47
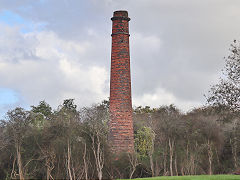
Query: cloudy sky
56, 49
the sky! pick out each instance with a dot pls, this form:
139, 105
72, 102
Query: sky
58, 49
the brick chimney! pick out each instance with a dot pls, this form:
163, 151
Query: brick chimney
121, 124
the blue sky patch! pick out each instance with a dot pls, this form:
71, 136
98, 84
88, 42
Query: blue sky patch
8, 99
8, 96
12, 19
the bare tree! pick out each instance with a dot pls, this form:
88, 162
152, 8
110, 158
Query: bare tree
95, 120
98, 152
133, 159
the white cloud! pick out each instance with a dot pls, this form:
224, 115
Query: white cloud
53, 72
51, 46
145, 43
162, 97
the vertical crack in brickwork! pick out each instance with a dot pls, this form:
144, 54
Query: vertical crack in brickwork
121, 124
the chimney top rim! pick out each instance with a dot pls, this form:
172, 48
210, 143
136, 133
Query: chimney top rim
120, 13
121, 10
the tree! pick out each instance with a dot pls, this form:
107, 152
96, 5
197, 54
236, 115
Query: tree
167, 127
95, 120
227, 92
18, 125
42, 113
68, 115
144, 144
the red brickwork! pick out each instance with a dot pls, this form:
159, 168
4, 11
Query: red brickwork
121, 124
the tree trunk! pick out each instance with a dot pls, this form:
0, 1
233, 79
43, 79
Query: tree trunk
50, 167
50, 156
134, 162
157, 169
48, 173
187, 162
210, 156
175, 162
233, 142
165, 161
98, 154
131, 174
151, 164
69, 160
84, 161
13, 169
182, 172
19, 162
171, 146
192, 164
150, 154
234, 151
74, 174
217, 156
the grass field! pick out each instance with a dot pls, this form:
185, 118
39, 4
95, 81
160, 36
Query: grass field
200, 177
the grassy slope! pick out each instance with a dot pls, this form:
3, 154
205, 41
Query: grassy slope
201, 177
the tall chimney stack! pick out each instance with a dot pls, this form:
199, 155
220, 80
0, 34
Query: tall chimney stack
121, 124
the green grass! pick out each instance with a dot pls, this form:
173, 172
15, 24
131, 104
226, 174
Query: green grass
200, 177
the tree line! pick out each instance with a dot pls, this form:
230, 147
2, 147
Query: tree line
72, 143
